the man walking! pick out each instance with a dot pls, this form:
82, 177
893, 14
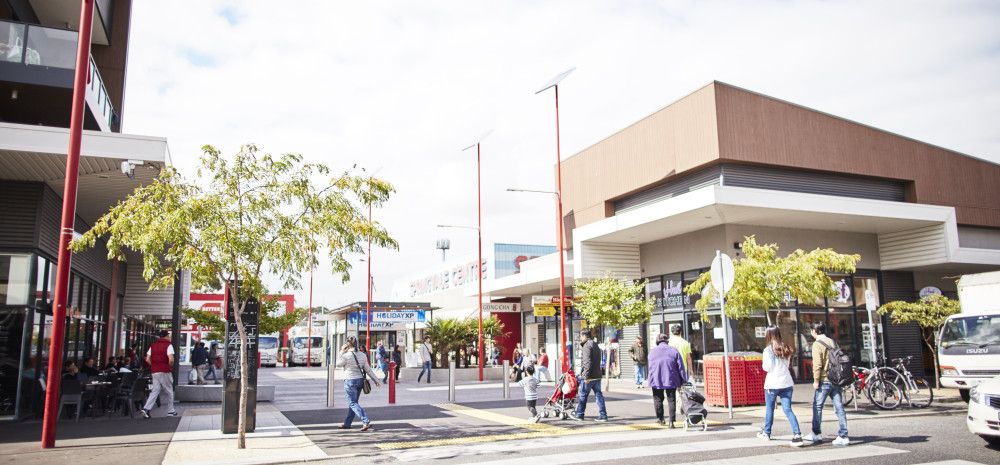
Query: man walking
640, 359
425, 358
682, 345
199, 361
543, 366
160, 358
383, 362
590, 377
824, 388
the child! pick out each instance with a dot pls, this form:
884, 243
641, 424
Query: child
530, 385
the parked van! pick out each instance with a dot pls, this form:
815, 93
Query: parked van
969, 342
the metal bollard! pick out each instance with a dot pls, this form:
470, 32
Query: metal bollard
506, 379
331, 370
451, 381
392, 382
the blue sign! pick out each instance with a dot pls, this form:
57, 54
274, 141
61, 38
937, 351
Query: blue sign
387, 316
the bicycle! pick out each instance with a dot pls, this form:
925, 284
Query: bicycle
917, 392
876, 387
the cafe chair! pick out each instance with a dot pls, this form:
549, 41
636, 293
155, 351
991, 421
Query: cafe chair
70, 394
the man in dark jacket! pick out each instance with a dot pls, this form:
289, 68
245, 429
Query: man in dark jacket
199, 361
590, 377
639, 357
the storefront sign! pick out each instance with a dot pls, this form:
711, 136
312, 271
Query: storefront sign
387, 316
501, 307
759, 331
842, 290
545, 310
929, 290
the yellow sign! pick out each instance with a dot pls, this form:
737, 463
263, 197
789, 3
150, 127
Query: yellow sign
545, 310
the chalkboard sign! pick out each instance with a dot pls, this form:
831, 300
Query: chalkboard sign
231, 367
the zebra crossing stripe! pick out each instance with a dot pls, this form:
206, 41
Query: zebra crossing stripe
808, 455
951, 462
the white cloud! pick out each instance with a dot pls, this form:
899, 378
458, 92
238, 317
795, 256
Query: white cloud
405, 85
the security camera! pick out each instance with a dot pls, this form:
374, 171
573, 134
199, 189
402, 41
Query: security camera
128, 167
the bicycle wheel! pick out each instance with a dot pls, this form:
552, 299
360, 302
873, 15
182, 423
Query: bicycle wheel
884, 394
921, 395
849, 393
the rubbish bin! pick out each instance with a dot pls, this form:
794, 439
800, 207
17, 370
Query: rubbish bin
747, 379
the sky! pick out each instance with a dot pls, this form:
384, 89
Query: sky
401, 87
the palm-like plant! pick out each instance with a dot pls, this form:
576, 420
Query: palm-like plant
447, 335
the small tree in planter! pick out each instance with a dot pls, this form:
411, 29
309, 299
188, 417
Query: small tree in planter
447, 335
612, 302
930, 313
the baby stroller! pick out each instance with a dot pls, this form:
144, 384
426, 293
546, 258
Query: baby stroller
562, 404
693, 407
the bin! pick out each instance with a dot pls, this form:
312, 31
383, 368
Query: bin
747, 379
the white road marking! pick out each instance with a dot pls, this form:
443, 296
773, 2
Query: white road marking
809, 455
952, 462
609, 454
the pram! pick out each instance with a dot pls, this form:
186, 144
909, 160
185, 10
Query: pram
693, 407
562, 404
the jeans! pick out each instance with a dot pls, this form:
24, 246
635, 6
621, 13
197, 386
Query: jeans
211, 372
585, 388
426, 367
385, 371
835, 393
671, 395
785, 396
542, 370
640, 374
352, 387
531, 406
162, 383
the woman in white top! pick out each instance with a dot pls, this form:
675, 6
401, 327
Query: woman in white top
356, 368
778, 384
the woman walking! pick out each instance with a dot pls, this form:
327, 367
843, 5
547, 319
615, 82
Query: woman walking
778, 384
666, 374
356, 369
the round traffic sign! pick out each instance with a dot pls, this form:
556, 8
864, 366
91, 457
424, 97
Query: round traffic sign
722, 273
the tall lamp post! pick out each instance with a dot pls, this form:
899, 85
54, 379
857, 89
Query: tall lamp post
368, 316
479, 268
66, 230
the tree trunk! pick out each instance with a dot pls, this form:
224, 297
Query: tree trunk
244, 379
937, 374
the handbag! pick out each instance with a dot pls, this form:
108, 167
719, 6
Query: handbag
366, 387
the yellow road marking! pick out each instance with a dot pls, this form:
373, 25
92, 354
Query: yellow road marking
496, 417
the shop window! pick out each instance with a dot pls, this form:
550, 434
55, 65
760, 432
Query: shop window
15, 271
673, 291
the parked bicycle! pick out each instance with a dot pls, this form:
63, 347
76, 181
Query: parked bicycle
875, 385
917, 392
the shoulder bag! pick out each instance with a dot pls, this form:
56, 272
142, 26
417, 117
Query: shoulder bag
366, 387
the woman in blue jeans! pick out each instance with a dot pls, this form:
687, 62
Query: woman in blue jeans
356, 368
778, 384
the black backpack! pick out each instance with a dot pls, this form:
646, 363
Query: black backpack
839, 370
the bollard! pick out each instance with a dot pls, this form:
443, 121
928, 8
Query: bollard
392, 382
331, 369
506, 379
451, 381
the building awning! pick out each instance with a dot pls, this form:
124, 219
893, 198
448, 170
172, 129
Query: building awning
537, 276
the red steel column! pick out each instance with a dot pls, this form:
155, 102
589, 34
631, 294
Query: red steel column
368, 318
309, 325
479, 265
392, 382
562, 268
54, 376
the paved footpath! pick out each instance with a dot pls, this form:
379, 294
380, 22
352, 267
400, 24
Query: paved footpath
482, 427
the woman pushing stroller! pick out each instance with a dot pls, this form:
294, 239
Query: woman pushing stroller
666, 374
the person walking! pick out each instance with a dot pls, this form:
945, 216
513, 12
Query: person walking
199, 360
590, 378
383, 361
824, 388
425, 359
778, 384
160, 358
397, 357
518, 365
640, 358
213, 362
682, 346
666, 374
542, 368
356, 369
530, 385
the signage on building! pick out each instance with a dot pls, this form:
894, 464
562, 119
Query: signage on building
387, 316
547, 305
448, 279
842, 290
673, 294
545, 310
929, 290
501, 307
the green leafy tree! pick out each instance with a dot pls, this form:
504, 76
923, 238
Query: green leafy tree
208, 321
447, 335
612, 302
273, 318
244, 216
763, 279
930, 313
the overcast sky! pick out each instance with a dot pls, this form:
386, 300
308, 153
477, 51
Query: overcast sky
402, 87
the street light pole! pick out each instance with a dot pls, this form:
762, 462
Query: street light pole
309, 323
368, 317
479, 264
54, 376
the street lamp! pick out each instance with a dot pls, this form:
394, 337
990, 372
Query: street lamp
479, 268
562, 276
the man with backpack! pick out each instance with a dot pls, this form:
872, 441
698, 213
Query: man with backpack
831, 371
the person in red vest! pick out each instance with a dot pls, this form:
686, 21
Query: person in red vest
160, 358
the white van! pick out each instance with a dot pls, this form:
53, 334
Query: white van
267, 346
969, 342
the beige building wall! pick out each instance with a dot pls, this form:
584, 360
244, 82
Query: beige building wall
685, 252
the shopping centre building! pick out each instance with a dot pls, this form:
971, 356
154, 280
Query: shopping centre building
655, 201
109, 307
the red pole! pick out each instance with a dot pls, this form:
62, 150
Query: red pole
479, 230
562, 268
392, 382
309, 324
54, 376
368, 332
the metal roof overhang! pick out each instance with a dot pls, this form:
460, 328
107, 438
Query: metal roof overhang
538, 276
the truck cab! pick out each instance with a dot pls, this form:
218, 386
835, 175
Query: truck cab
969, 342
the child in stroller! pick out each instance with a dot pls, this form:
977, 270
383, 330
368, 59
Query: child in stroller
693, 407
562, 403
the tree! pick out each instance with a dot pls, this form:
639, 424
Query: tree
270, 320
207, 321
763, 280
930, 313
447, 335
242, 214
613, 302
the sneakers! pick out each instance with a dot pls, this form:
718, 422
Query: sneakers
661, 422
366, 427
601, 419
841, 441
535, 419
171, 414
763, 436
812, 437
796, 441
144, 413
576, 417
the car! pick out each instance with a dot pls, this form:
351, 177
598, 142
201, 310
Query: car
984, 411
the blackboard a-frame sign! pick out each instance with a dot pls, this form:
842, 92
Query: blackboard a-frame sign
231, 367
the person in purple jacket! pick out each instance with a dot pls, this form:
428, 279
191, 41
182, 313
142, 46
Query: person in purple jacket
666, 374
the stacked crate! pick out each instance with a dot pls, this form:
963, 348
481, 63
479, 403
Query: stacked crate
747, 379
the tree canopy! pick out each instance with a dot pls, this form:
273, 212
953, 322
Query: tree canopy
763, 279
612, 302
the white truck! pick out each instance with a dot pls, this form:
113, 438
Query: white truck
969, 342
268, 349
